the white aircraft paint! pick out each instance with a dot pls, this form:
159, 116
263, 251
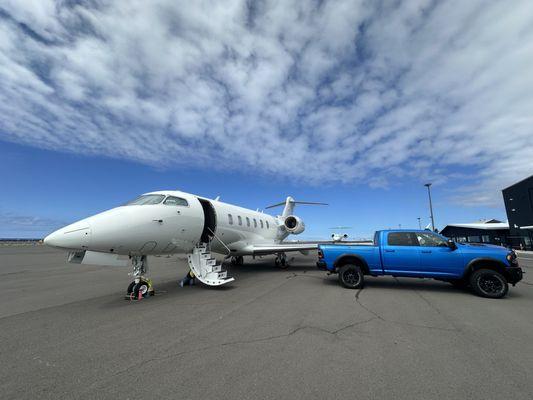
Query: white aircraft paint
171, 227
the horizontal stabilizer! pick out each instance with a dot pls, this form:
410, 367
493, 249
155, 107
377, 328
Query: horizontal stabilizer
298, 202
289, 204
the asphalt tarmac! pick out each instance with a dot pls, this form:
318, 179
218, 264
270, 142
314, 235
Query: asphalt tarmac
67, 333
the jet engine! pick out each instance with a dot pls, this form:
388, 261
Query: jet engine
294, 225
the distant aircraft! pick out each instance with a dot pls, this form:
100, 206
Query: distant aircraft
339, 237
171, 222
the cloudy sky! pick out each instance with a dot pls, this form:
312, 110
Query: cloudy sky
319, 97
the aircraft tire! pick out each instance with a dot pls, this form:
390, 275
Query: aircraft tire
131, 286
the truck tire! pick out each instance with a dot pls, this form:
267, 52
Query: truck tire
351, 276
489, 283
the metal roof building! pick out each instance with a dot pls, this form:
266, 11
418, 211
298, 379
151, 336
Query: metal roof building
518, 199
490, 231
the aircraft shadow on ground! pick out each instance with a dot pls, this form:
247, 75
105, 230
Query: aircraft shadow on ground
267, 265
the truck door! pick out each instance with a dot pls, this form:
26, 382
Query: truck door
436, 257
401, 254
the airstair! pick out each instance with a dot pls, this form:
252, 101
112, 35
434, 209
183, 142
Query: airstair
205, 266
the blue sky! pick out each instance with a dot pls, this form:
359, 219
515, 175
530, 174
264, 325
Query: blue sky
349, 102
46, 189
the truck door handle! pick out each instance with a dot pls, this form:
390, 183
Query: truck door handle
158, 220
426, 251
389, 251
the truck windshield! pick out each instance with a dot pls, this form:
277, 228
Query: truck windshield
147, 199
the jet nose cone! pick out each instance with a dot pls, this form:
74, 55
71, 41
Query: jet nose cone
75, 236
50, 240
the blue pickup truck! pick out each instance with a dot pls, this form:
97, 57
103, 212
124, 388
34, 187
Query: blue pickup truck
487, 269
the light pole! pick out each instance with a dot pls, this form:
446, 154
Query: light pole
428, 185
419, 224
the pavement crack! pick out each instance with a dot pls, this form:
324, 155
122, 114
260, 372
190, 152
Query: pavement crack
295, 275
233, 343
428, 302
381, 318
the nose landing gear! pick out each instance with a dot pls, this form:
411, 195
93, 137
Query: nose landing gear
141, 287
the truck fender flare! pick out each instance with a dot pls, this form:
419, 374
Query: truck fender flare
354, 256
480, 260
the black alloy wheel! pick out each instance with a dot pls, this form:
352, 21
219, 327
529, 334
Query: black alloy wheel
489, 283
351, 276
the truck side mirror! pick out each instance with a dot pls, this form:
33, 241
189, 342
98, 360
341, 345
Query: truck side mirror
452, 245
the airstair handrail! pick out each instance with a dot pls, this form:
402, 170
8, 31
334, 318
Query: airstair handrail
220, 240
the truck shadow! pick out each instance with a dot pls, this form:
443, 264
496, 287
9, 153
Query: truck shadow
422, 285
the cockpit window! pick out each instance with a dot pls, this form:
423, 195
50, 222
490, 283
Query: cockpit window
146, 199
176, 201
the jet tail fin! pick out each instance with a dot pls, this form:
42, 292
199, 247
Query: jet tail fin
289, 204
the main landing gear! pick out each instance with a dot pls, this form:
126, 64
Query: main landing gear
141, 287
237, 261
281, 261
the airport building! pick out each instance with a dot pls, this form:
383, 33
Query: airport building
489, 231
518, 199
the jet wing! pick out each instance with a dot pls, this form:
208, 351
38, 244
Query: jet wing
282, 248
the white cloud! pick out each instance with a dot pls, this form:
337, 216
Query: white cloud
334, 90
14, 225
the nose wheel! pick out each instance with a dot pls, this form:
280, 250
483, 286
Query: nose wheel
141, 287
140, 290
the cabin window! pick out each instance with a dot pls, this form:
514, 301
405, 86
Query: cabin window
247, 222
255, 223
230, 219
240, 219
485, 239
175, 201
268, 226
261, 222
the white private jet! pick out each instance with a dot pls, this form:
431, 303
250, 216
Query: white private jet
339, 237
171, 222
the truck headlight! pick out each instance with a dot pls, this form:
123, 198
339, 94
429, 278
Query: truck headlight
511, 256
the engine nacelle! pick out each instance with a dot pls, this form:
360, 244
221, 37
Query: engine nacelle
294, 225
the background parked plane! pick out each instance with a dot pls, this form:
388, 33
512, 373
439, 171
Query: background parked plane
339, 237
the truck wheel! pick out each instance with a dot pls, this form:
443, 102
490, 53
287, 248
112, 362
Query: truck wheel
351, 276
489, 283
